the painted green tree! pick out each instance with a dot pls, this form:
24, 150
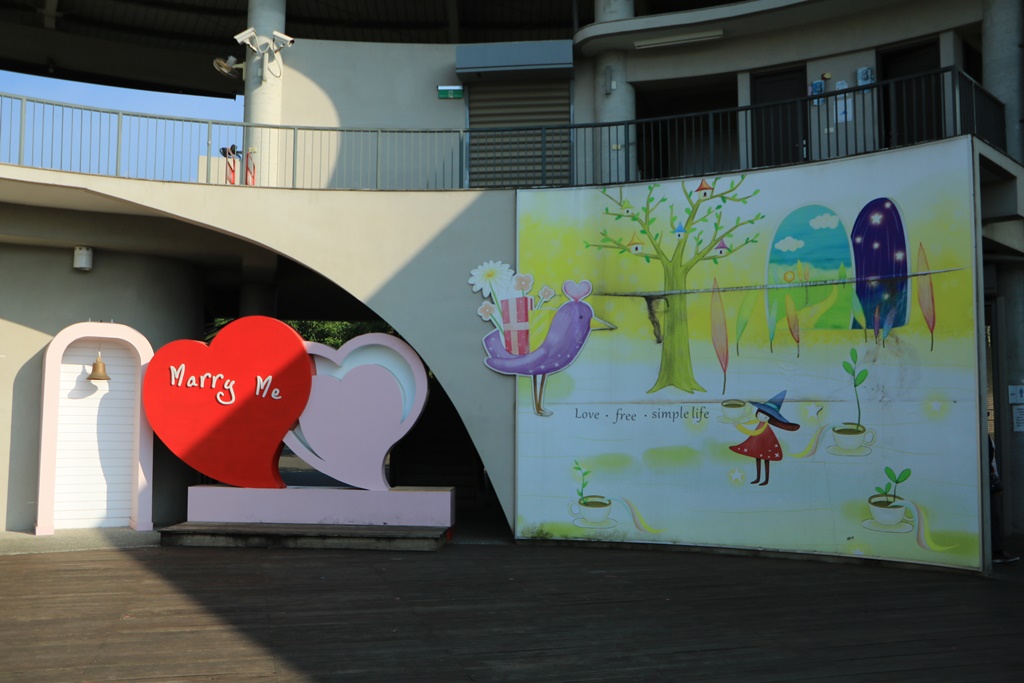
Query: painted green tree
702, 233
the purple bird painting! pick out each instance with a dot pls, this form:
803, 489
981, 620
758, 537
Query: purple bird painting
567, 335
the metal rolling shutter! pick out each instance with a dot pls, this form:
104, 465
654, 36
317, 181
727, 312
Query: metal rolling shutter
506, 157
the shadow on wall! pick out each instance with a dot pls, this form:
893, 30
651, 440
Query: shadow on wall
171, 479
23, 465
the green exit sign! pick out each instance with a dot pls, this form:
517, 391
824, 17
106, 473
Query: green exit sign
449, 92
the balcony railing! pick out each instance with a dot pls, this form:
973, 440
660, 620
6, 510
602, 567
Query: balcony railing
859, 120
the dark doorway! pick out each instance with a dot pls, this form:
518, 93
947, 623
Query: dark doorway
687, 128
912, 101
778, 120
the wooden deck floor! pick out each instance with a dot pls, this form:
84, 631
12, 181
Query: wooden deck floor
497, 613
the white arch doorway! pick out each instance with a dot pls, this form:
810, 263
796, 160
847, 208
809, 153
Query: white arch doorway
96, 447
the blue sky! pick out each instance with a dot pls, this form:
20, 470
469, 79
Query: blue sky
121, 99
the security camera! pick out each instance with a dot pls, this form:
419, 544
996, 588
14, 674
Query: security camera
283, 40
247, 37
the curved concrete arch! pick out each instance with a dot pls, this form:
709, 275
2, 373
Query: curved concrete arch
142, 466
406, 255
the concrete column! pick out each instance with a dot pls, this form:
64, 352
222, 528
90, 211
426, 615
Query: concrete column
614, 100
264, 72
1001, 35
263, 94
1010, 288
744, 123
610, 10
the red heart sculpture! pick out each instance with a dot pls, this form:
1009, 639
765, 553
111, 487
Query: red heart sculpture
224, 408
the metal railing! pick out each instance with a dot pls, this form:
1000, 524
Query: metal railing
859, 120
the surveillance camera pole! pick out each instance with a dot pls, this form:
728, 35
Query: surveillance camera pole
263, 90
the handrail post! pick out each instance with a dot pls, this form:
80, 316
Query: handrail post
625, 151
21, 141
958, 104
209, 151
711, 142
295, 156
377, 186
117, 161
463, 180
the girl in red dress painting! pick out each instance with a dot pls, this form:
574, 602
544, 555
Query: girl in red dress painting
761, 444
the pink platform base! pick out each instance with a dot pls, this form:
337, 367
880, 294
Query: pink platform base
401, 506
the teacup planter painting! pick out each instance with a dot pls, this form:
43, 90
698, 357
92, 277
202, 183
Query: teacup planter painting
593, 512
853, 438
227, 410
589, 510
894, 514
888, 510
734, 410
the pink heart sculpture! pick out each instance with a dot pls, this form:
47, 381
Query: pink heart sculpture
365, 397
224, 408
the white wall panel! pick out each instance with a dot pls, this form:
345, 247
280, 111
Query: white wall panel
95, 437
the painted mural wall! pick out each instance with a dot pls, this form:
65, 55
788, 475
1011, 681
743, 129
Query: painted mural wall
783, 360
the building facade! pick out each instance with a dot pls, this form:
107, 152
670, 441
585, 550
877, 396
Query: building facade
388, 162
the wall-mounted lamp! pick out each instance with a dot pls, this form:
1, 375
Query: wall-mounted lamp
83, 258
679, 39
99, 369
228, 66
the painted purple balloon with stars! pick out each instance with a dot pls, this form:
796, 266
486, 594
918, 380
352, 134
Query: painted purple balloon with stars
880, 259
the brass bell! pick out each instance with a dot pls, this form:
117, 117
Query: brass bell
99, 369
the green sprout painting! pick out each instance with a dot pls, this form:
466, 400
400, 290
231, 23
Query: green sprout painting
583, 479
858, 379
894, 481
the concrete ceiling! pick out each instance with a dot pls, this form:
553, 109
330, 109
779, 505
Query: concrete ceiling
169, 45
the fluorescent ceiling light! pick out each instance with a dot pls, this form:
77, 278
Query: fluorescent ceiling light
667, 41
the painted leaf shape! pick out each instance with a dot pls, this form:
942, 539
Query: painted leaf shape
861, 376
890, 319
744, 313
719, 329
858, 312
792, 319
889, 473
853, 356
848, 368
904, 475
925, 293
